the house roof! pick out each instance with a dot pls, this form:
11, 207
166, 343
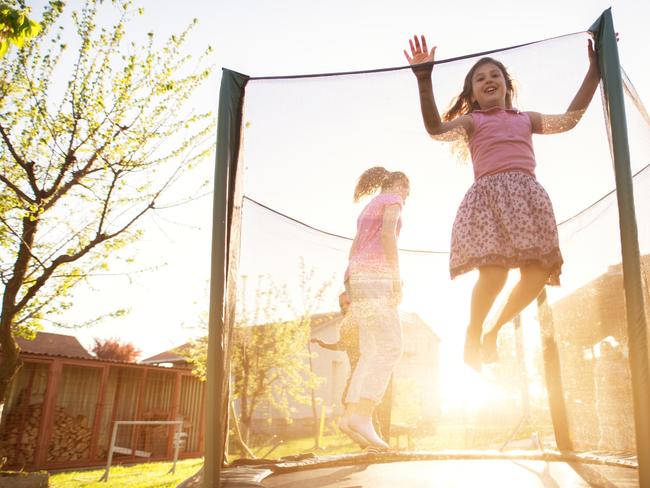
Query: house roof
170, 356
597, 309
54, 345
175, 355
408, 319
318, 322
413, 319
51, 345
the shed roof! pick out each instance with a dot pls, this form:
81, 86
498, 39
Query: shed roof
54, 345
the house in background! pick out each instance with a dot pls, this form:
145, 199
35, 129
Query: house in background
591, 328
173, 358
415, 382
596, 310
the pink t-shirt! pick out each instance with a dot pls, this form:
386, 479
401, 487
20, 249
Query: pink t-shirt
368, 255
502, 141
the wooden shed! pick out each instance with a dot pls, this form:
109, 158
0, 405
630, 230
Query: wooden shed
63, 402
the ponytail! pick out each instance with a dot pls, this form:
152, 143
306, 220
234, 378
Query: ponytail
375, 178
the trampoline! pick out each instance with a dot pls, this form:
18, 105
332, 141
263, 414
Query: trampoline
564, 406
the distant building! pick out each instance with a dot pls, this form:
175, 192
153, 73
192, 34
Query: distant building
175, 358
591, 332
415, 385
600, 304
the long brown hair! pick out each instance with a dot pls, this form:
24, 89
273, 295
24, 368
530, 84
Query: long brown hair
375, 178
463, 104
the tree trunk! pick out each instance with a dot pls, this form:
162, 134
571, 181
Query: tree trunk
245, 425
245, 418
314, 406
10, 362
242, 445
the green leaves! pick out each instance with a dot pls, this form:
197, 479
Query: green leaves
82, 162
15, 27
269, 354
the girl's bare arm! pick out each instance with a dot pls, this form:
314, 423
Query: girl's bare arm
556, 123
421, 61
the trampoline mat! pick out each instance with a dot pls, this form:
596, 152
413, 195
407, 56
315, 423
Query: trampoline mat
459, 473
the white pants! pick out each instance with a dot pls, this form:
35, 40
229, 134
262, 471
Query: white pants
380, 336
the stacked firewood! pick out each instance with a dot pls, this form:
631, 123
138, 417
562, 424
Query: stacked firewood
19, 436
70, 438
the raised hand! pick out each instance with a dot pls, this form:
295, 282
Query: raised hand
591, 52
420, 59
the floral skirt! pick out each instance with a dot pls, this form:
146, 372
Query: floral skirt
506, 220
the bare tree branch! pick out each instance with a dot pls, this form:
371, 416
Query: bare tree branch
107, 200
19, 193
68, 258
18, 236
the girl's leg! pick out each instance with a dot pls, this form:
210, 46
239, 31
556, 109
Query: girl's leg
387, 334
532, 281
350, 408
490, 282
367, 350
357, 408
386, 331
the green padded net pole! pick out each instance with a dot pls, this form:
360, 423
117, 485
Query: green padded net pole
231, 97
610, 69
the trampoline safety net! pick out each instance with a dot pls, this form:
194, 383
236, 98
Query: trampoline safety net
305, 140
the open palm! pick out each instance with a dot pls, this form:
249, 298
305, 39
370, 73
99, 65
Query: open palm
420, 58
419, 52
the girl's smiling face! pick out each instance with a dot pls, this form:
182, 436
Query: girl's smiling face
489, 86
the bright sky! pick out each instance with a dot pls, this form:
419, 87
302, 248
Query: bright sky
290, 37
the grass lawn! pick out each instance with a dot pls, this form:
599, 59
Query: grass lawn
154, 475
147, 475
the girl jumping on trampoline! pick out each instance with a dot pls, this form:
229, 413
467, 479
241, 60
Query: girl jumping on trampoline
373, 283
506, 219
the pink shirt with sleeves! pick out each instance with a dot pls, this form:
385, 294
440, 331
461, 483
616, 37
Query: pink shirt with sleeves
368, 255
502, 141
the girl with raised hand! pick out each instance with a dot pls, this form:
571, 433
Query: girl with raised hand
506, 218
